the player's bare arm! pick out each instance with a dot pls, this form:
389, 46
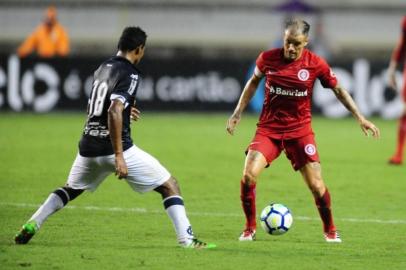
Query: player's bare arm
246, 95
115, 121
346, 99
392, 75
397, 55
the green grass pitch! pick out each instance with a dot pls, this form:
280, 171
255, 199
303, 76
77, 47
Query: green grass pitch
116, 228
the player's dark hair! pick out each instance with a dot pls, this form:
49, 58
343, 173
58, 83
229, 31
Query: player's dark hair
131, 38
298, 25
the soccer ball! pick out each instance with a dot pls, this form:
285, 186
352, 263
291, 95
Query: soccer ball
276, 219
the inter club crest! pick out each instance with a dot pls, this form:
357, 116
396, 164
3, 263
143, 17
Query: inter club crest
310, 149
303, 75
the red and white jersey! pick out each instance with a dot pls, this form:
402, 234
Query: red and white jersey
286, 112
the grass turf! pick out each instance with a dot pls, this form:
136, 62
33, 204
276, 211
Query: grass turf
117, 228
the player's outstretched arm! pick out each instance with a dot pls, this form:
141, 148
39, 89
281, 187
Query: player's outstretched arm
346, 99
246, 95
397, 55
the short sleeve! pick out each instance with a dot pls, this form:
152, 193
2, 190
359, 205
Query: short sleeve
326, 76
260, 66
126, 87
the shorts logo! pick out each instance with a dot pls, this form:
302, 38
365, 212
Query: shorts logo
189, 231
310, 149
303, 75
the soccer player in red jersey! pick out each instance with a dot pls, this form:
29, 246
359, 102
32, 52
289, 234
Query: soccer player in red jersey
397, 56
285, 121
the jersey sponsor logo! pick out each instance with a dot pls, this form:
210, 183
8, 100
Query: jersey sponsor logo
310, 149
303, 75
96, 130
287, 92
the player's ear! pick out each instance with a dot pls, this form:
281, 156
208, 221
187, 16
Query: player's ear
139, 50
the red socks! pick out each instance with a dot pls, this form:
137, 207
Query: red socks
248, 205
324, 206
401, 138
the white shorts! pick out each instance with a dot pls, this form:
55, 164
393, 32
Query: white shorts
145, 173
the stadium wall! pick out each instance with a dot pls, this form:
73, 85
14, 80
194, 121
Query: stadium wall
183, 84
95, 28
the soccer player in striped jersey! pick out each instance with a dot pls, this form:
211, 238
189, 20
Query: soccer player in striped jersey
285, 121
106, 146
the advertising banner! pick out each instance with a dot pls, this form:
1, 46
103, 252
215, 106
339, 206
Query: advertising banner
183, 84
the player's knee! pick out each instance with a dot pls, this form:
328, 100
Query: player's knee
249, 177
169, 188
173, 185
67, 194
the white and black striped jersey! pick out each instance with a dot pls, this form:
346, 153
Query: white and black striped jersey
116, 78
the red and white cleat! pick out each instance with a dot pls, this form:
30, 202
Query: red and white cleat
332, 237
247, 235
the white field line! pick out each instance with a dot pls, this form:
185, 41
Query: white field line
209, 214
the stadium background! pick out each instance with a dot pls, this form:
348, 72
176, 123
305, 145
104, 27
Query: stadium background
199, 52
198, 56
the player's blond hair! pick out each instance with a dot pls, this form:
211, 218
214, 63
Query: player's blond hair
298, 25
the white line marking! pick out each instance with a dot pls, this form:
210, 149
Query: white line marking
209, 214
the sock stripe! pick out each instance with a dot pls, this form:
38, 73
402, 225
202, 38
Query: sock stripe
174, 196
63, 195
66, 192
173, 200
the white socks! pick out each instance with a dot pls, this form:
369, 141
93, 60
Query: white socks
50, 206
176, 211
173, 206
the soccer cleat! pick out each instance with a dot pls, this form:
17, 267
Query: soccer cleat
27, 232
247, 235
197, 244
332, 237
395, 161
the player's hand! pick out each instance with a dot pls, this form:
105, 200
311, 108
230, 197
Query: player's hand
135, 113
121, 167
233, 122
368, 126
